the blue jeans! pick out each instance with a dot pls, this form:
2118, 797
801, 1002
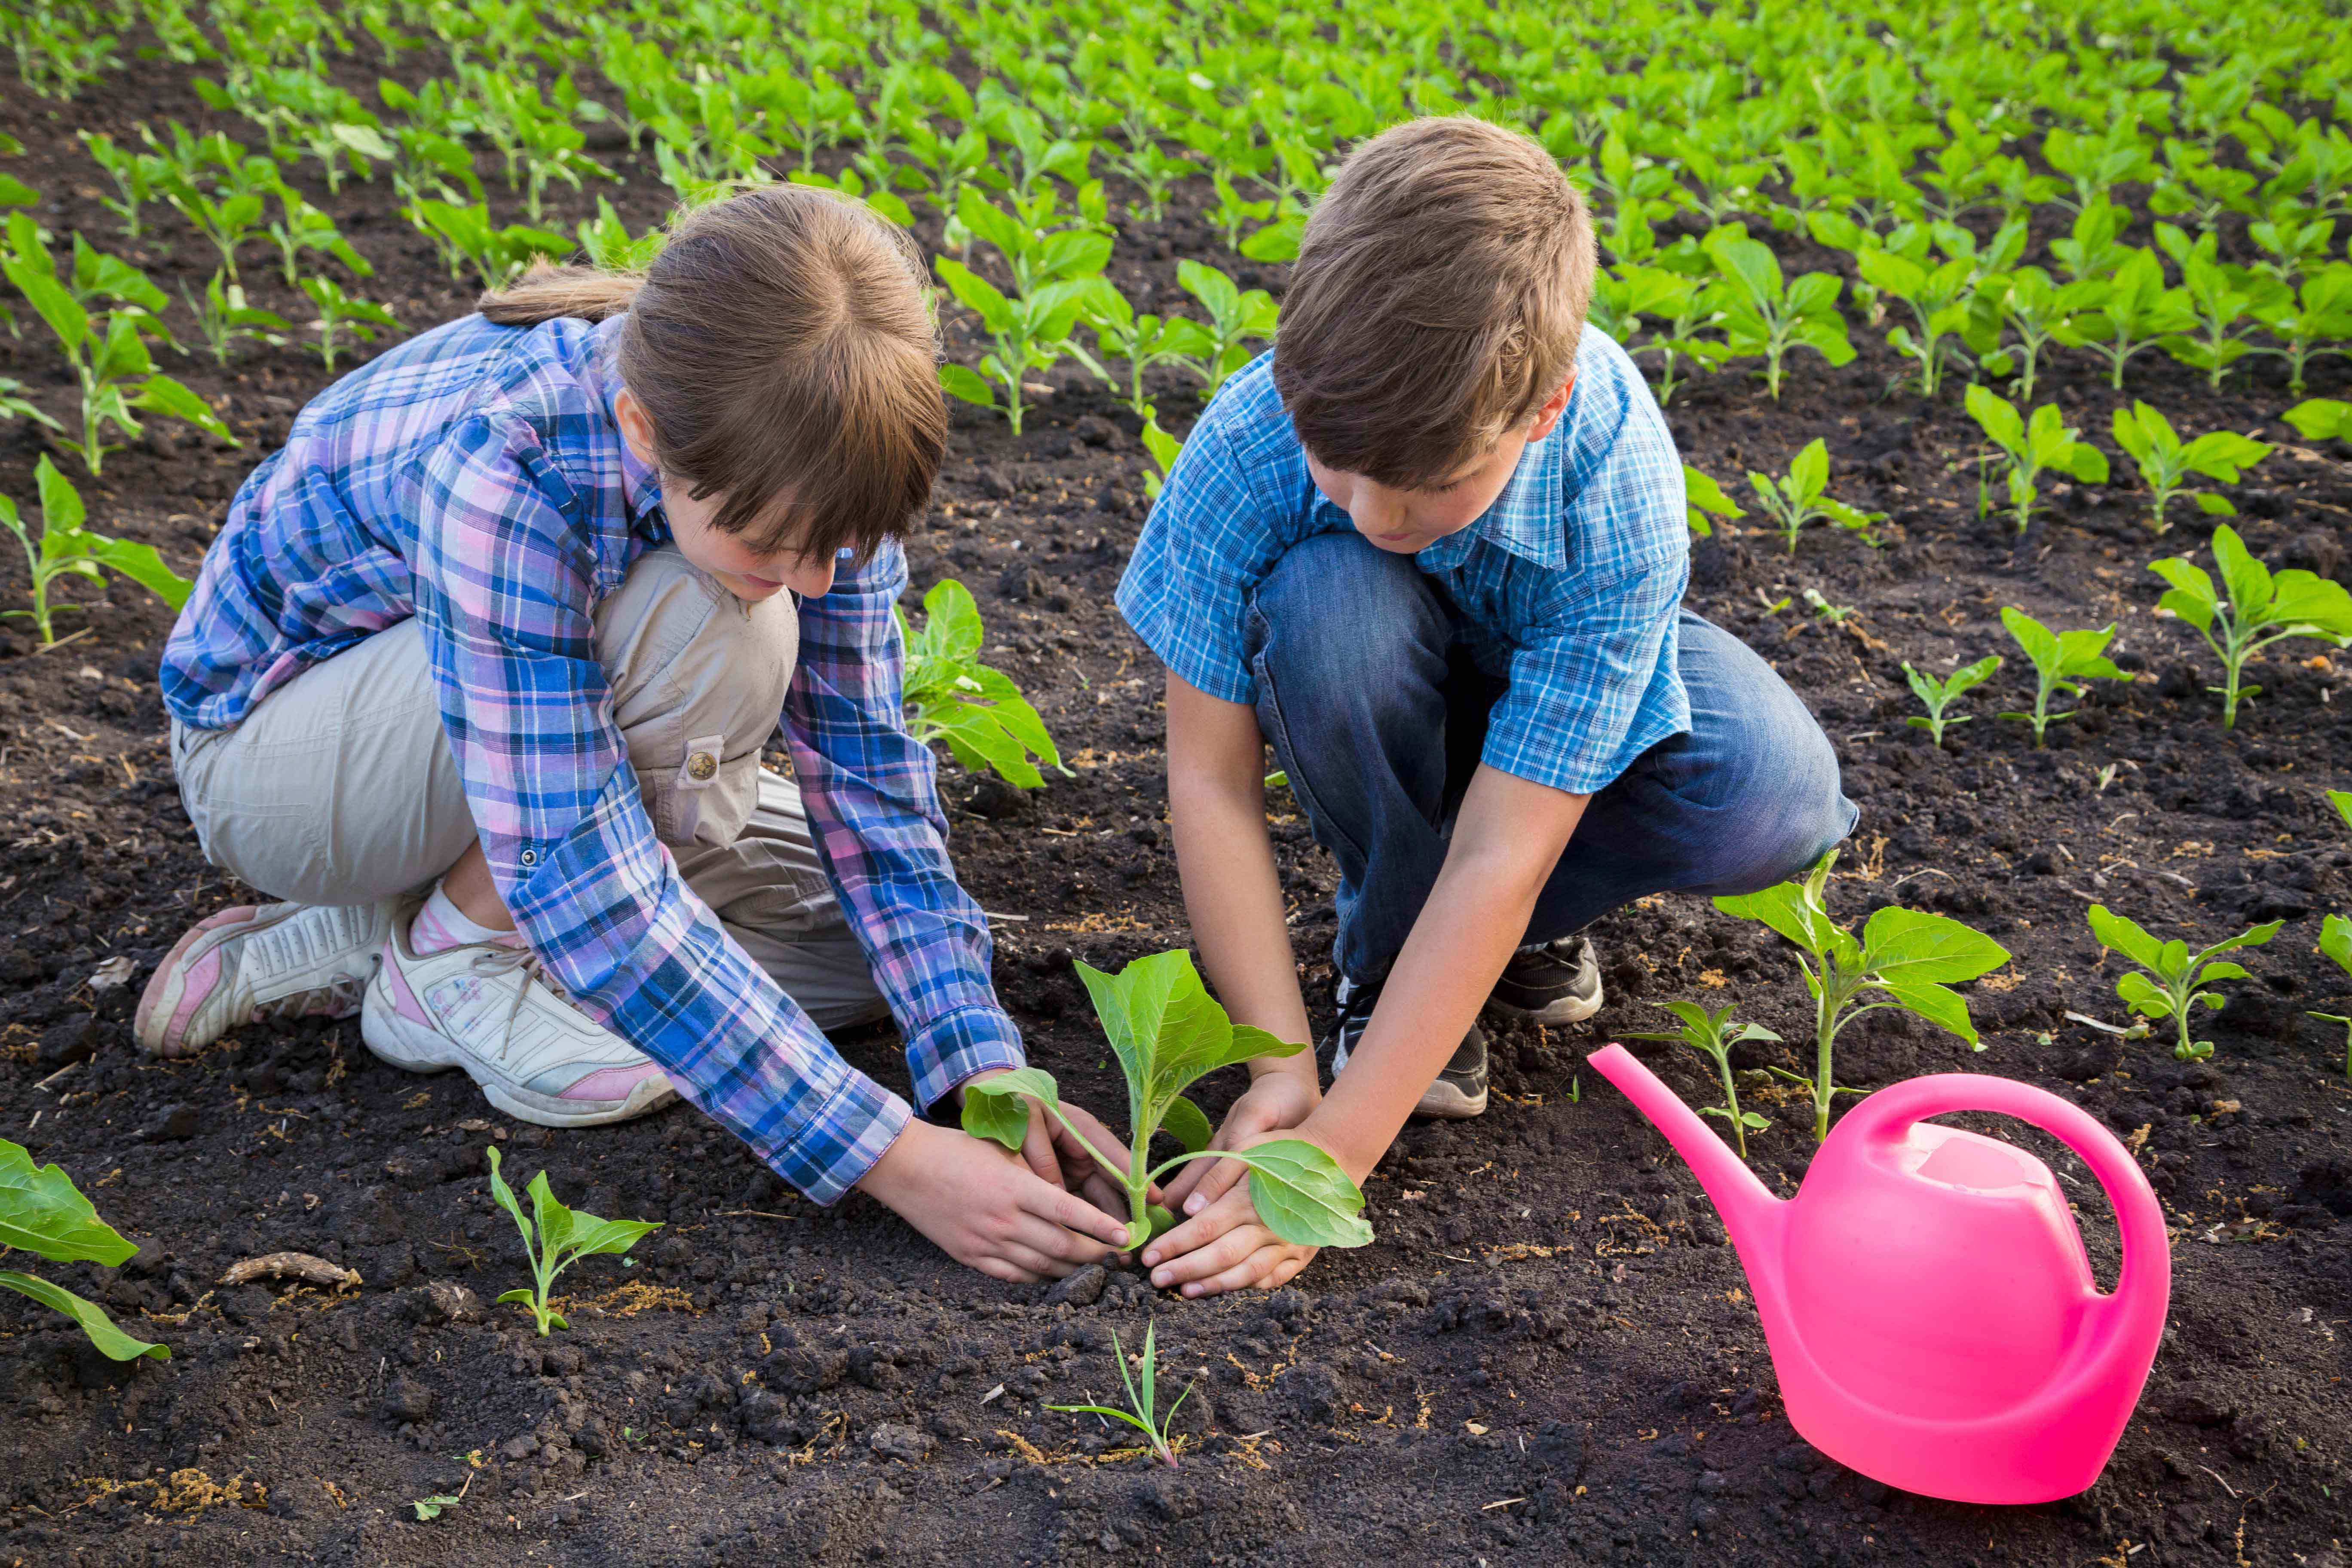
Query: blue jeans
1378, 716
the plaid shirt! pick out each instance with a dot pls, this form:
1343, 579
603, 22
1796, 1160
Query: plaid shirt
1567, 587
475, 478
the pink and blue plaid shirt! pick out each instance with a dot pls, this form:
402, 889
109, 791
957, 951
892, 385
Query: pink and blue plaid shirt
475, 478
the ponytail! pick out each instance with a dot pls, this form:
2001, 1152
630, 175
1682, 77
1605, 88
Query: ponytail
547, 292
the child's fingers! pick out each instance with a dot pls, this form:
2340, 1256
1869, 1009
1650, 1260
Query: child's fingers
1267, 1267
1219, 1255
1037, 1149
1219, 1178
1073, 1215
1199, 1230
1099, 1192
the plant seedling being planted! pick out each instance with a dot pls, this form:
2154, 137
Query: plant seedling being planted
2033, 447
2261, 609
2174, 978
1905, 959
555, 1237
1140, 1396
1168, 1031
951, 695
2166, 462
2062, 662
1938, 695
43, 1213
1707, 1033
1798, 498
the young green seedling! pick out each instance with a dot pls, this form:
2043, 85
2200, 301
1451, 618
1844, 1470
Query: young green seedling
341, 312
1940, 298
2034, 447
1143, 342
2336, 943
1706, 1033
1168, 1031
1141, 1395
2261, 608
555, 1237
2174, 979
1938, 695
1798, 498
223, 315
1236, 319
1763, 315
2133, 312
2166, 462
2062, 662
1162, 448
1905, 959
1703, 498
43, 1213
951, 695
68, 549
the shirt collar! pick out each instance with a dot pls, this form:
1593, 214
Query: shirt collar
1526, 519
640, 483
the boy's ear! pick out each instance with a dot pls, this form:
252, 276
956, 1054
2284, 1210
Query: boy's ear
1554, 406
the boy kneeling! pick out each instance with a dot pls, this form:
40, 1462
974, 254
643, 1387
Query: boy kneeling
1432, 547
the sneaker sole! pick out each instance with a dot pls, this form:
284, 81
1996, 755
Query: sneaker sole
167, 988
1566, 1010
412, 1048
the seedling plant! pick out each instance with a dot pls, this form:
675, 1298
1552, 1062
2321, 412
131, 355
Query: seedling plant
1938, 695
67, 548
2166, 462
43, 1213
1167, 1031
1705, 500
2170, 979
2253, 609
977, 710
1712, 1035
1141, 1395
2062, 662
2034, 446
1905, 959
555, 1237
1763, 315
1798, 498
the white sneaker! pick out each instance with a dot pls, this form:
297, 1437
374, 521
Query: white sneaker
489, 1008
269, 961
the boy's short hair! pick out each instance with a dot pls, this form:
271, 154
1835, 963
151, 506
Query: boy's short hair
1439, 294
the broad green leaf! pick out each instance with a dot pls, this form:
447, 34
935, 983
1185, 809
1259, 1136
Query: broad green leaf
1188, 1124
2336, 940
1911, 947
2342, 801
144, 566
2247, 579
993, 1107
111, 1340
2143, 996
592, 1235
1997, 416
2319, 418
43, 1213
2303, 598
555, 1220
1947, 1010
504, 1197
2253, 937
61, 508
1303, 1196
2040, 645
2125, 936
1784, 908
166, 396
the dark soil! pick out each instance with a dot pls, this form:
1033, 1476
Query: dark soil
1547, 1356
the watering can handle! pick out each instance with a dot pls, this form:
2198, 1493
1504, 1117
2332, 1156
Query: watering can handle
2143, 1284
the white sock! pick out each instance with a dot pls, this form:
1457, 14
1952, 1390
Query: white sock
441, 925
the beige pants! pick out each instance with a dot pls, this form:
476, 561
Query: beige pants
340, 788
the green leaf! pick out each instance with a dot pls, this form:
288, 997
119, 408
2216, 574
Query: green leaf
2143, 996
1785, 909
1911, 947
43, 1213
165, 395
2126, 937
1303, 1196
592, 1237
142, 565
2336, 940
1188, 1124
993, 1107
1947, 1010
505, 1198
111, 1341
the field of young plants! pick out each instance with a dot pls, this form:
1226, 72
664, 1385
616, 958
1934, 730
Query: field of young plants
2010, 346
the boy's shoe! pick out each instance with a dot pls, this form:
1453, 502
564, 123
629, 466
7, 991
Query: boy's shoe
1459, 1092
488, 1009
266, 961
1550, 982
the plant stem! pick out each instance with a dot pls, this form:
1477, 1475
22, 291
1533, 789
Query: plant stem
1731, 1099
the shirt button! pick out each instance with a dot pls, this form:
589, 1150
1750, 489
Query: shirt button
531, 857
701, 767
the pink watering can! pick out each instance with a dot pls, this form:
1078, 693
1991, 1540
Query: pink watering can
1929, 1308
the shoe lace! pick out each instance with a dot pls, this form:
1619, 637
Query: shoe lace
497, 960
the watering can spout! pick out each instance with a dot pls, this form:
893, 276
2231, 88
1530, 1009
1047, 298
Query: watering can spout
1750, 1213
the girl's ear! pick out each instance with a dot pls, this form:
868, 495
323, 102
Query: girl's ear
637, 429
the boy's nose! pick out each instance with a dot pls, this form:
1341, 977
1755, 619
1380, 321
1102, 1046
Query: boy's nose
811, 578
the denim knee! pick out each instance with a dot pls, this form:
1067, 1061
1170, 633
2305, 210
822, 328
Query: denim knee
1798, 813
1348, 636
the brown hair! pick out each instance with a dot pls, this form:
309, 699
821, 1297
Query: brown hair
783, 347
1440, 292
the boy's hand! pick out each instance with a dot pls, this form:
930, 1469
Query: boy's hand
1056, 1155
984, 1207
1224, 1246
1276, 1100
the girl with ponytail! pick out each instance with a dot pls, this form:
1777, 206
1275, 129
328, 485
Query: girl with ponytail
476, 680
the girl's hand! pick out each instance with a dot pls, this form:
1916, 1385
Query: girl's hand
1275, 1102
984, 1207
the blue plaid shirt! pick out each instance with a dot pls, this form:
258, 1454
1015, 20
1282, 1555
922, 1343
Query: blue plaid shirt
1567, 587
475, 478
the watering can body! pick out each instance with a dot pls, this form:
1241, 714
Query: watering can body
1931, 1313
